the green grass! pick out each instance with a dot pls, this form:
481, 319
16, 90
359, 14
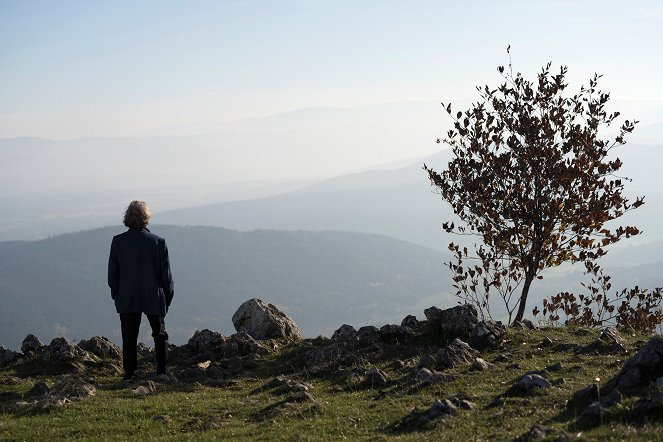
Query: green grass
345, 410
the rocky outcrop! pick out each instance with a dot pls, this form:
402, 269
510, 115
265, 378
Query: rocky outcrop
454, 355
31, 345
640, 370
101, 346
61, 354
487, 334
455, 322
8, 356
264, 321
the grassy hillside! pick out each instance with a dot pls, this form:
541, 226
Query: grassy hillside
58, 286
340, 405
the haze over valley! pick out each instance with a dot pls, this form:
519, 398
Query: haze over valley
280, 147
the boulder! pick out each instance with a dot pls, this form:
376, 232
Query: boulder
481, 364
410, 321
427, 377
529, 383
376, 378
61, 354
71, 387
455, 322
439, 410
368, 335
101, 346
524, 323
207, 342
39, 389
395, 334
487, 334
31, 345
344, 332
264, 321
457, 354
243, 344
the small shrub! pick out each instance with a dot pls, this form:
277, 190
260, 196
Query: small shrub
637, 308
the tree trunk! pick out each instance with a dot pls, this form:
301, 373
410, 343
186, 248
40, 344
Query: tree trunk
523, 296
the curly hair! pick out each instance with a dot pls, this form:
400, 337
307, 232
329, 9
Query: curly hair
137, 215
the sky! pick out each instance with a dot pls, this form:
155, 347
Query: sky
90, 68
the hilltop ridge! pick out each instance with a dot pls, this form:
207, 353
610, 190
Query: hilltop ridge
413, 381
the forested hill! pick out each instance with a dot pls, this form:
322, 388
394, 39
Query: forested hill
57, 286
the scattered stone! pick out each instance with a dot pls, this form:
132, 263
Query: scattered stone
410, 321
166, 378
457, 354
558, 381
524, 323
143, 350
162, 418
200, 425
514, 366
547, 342
640, 370
395, 334
207, 342
31, 345
300, 396
502, 357
243, 344
11, 380
398, 364
101, 347
455, 322
427, 377
528, 384
613, 398
283, 385
72, 386
583, 397
594, 410
608, 341
8, 356
376, 378
538, 432
441, 409
264, 321
40, 389
611, 336
555, 367
480, 364
344, 332
487, 334
368, 335
61, 352
49, 403
463, 403
145, 388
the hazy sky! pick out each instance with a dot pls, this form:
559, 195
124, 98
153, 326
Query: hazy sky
86, 68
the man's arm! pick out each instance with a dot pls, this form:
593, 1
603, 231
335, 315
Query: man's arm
166, 278
113, 272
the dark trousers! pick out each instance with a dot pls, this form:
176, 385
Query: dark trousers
130, 326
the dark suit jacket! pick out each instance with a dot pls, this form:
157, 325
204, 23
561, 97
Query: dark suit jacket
139, 273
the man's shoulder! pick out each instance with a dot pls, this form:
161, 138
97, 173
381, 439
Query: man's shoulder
135, 234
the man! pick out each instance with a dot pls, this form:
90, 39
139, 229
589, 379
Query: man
140, 281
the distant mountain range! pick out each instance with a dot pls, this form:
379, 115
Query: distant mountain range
58, 286
401, 203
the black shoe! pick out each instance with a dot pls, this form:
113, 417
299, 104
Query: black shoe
128, 377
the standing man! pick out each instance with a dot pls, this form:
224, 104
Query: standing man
140, 281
